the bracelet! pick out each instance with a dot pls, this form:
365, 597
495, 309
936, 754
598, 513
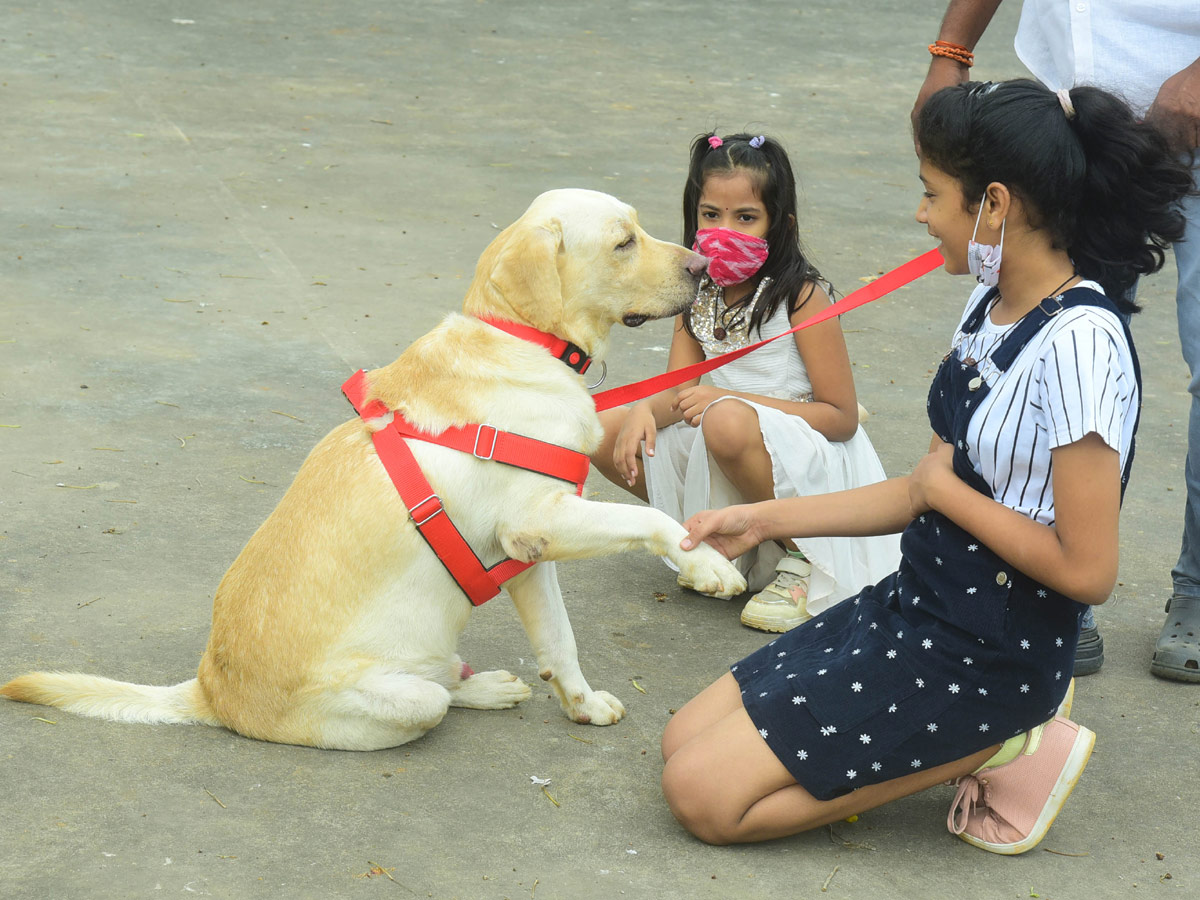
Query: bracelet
956, 52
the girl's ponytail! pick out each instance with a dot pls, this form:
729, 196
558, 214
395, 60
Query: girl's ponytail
1127, 214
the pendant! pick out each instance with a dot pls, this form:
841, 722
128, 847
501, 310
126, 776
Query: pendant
975, 383
718, 332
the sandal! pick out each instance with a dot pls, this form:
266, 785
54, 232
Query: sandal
1177, 653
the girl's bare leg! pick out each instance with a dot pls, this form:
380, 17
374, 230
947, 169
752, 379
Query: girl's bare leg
725, 786
602, 459
734, 440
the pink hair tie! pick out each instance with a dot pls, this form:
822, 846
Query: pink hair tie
714, 142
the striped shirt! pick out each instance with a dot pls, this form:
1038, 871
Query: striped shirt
1074, 377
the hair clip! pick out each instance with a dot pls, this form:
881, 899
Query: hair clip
757, 142
714, 142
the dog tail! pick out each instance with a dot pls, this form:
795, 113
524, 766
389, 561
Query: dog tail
118, 701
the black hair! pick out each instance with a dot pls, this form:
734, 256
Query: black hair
1104, 184
769, 170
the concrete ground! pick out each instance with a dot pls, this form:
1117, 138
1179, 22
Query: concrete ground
214, 212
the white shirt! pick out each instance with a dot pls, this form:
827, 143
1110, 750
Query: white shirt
1127, 47
1074, 377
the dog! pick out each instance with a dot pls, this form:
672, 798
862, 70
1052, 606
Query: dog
336, 626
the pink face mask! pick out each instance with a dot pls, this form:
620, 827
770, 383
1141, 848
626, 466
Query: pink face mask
732, 256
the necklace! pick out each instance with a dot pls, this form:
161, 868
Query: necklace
727, 319
723, 324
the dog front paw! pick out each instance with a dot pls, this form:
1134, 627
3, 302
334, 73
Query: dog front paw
489, 690
596, 708
705, 570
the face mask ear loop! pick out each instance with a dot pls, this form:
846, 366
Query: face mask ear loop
975, 233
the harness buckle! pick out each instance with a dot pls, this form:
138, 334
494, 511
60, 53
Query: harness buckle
491, 451
1048, 313
437, 508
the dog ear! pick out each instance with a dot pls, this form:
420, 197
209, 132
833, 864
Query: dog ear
518, 275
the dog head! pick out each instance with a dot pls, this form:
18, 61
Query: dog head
576, 263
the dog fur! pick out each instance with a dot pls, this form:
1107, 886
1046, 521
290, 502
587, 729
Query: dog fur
336, 626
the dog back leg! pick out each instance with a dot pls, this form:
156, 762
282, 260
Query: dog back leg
489, 690
539, 603
379, 710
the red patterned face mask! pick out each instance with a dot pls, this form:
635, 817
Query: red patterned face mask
732, 256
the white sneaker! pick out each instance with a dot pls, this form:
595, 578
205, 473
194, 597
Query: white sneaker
782, 604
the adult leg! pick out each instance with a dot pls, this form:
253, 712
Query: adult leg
724, 785
1177, 653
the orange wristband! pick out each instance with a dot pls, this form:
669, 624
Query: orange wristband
956, 52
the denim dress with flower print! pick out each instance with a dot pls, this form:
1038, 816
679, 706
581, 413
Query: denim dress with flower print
955, 652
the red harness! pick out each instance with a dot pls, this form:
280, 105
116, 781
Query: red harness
486, 442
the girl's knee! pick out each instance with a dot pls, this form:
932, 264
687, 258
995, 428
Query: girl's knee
689, 797
730, 427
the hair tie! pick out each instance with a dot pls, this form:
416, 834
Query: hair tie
1064, 100
714, 142
757, 142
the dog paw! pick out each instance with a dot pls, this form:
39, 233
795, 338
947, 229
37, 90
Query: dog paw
596, 708
705, 570
490, 690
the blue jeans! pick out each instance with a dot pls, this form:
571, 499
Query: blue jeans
1186, 574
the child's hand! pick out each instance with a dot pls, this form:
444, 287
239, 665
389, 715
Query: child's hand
692, 401
638, 426
932, 473
731, 531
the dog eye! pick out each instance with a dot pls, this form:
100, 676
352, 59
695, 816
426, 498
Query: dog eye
627, 243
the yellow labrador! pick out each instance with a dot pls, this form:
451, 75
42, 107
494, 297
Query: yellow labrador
336, 625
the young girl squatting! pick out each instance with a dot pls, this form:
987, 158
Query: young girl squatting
954, 666
779, 422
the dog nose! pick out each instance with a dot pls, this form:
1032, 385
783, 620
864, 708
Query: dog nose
697, 264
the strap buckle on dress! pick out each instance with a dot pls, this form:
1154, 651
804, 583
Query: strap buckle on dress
1048, 312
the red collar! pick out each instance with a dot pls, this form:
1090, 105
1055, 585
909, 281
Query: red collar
571, 354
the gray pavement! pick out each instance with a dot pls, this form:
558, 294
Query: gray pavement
214, 212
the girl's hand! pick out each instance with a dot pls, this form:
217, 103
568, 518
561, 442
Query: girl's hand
638, 426
933, 473
692, 401
731, 531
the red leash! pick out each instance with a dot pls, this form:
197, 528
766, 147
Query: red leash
885, 284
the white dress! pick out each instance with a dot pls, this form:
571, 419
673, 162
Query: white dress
681, 478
